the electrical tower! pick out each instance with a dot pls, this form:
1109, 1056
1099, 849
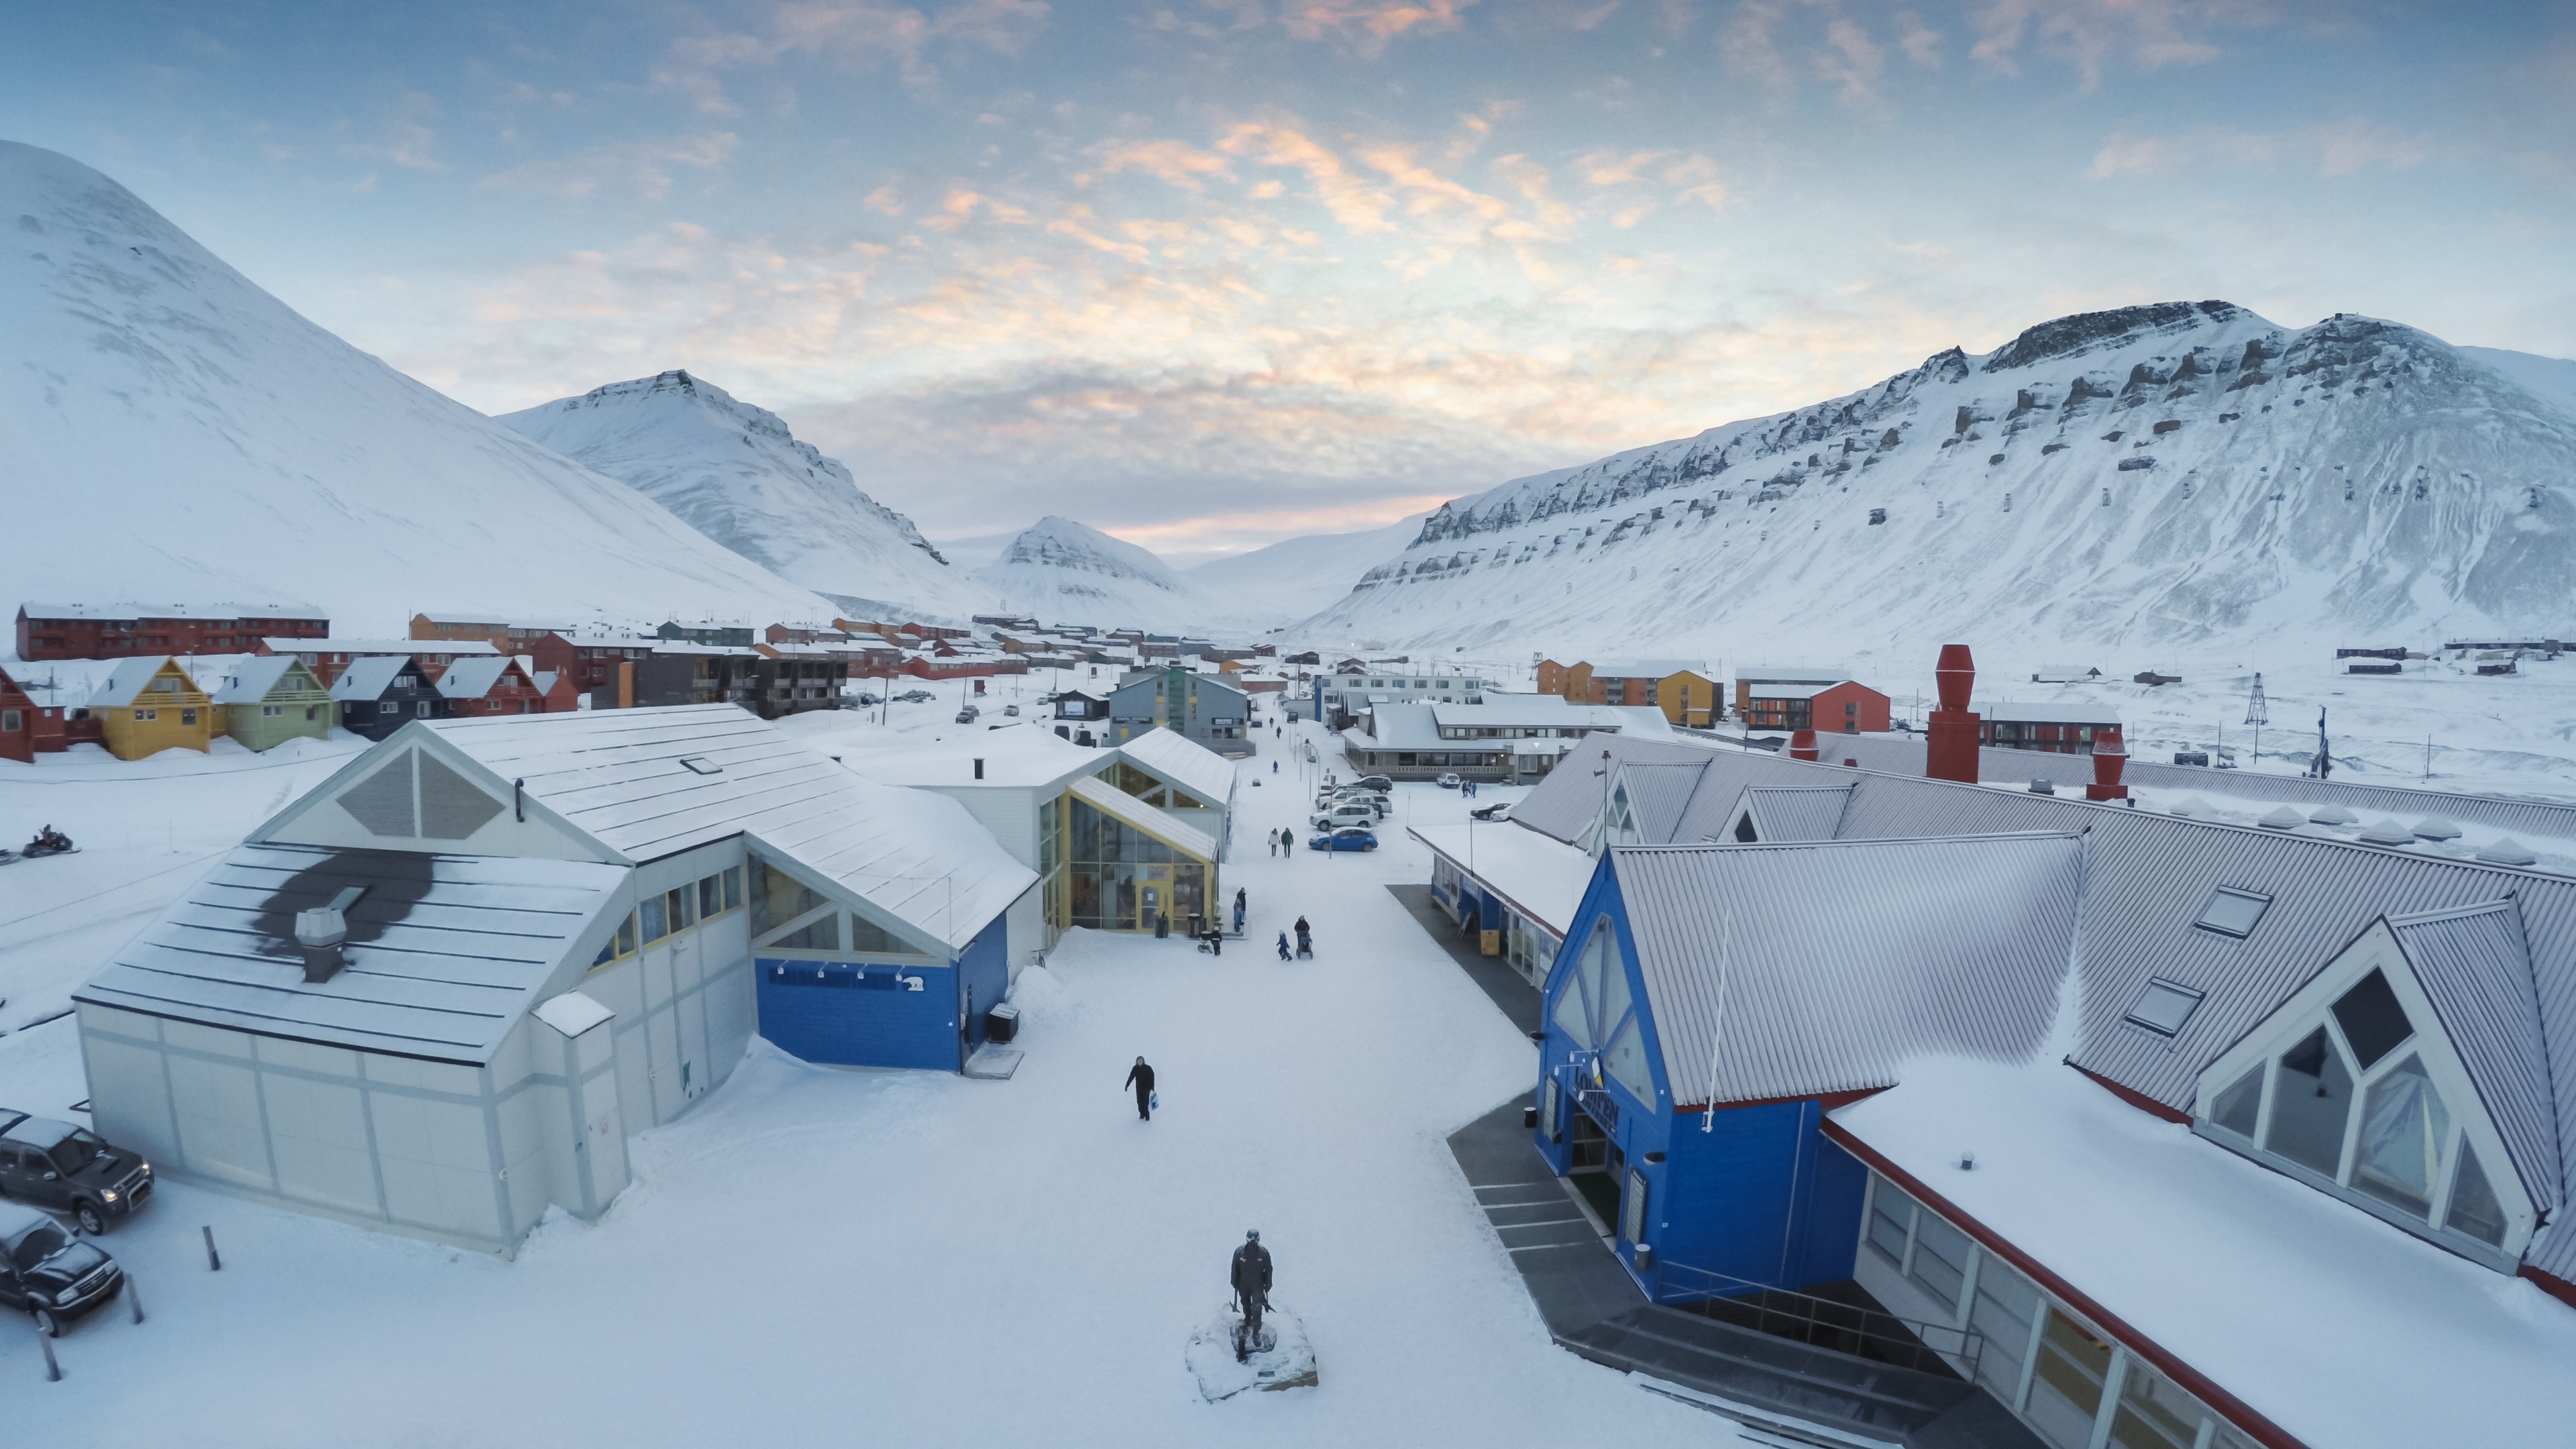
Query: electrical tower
2254, 714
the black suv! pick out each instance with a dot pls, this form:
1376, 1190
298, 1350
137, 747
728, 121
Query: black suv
49, 1273
68, 1169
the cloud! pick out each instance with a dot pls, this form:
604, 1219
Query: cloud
1365, 26
1177, 162
1353, 201
1921, 44
2334, 149
1851, 62
2088, 33
645, 167
405, 137
858, 34
1746, 45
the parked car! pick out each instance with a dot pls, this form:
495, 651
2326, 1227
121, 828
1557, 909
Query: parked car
1447, 782
1349, 837
1379, 783
1499, 810
1011, 711
1370, 798
865, 701
967, 715
916, 696
1348, 813
47, 1272
67, 1169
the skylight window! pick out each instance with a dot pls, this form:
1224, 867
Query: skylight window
2232, 912
700, 764
2163, 1007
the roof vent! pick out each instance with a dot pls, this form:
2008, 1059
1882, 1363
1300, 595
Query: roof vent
2388, 832
2282, 817
701, 765
2043, 787
979, 769
2434, 827
2188, 806
2505, 850
2332, 815
322, 932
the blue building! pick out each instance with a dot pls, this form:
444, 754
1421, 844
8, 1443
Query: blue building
1712, 1003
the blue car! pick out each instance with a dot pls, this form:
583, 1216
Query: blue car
1350, 837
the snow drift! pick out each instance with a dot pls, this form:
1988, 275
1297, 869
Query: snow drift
735, 473
2177, 475
175, 433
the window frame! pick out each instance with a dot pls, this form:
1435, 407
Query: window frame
2200, 919
2310, 1009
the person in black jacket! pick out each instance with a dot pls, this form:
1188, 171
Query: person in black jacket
1141, 1077
1251, 1278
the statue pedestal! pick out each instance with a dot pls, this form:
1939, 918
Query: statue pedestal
1283, 1360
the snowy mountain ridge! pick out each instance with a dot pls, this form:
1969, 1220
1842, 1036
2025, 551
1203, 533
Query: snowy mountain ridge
736, 473
2177, 474
176, 433
1060, 570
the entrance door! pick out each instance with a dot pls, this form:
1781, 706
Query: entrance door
1151, 896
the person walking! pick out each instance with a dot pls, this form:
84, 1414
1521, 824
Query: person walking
1283, 945
1305, 942
1239, 907
1250, 1275
1274, 846
1288, 841
1141, 1077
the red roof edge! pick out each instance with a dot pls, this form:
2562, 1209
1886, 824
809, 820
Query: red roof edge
2551, 1284
2233, 1409
1825, 1101
2135, 1098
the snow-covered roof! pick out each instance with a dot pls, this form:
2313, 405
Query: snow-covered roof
369, 677
444, 951
691, 649
250, 679
1511, 711
616, 776
460, 648
1647, 668
1019, 755
474, 678
1790, 674
2071, 712
1790, 691
1183, 762
1832, 964
1542, 879
2202, 1252
573, 1013
1118, 804
170, 611
127, 679
1792, 813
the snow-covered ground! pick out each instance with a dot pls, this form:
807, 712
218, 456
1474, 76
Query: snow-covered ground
818, 1254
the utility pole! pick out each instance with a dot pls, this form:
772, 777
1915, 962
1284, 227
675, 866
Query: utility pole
2257, 716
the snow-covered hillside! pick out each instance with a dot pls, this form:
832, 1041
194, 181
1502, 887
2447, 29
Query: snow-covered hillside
1061, 571
1297, 576
174, 433
2174, 477
736, 474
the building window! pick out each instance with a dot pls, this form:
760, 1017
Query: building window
1632, 1208
11, 721
620, 944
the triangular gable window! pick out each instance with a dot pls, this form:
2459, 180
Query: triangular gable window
1597, 1012
2353, 1087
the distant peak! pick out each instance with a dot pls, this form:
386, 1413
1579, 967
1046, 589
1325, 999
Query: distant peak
2091, 331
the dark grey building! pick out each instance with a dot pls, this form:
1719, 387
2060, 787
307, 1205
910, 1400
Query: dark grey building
1201, 708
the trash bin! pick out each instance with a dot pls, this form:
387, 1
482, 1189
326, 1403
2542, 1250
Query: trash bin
1162, 926
1002, 1023
1198, 924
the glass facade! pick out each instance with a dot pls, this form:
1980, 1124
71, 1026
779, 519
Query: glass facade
1118, 878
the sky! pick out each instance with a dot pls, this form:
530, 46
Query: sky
1211, 273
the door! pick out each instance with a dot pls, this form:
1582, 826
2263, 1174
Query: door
1152, 897
35, 1179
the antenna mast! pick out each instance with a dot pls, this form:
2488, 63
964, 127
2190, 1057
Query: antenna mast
2257, 716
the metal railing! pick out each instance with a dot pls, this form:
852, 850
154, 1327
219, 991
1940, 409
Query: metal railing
1842, 1327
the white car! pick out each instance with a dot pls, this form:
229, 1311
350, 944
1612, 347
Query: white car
1344, 814
1447, 782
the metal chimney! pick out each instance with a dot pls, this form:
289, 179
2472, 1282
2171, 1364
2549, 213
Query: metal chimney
1802, 744
2110, 757
322, 932
1950, 751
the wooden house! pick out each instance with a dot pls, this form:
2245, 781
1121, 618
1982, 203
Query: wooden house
271, 699
17, 722
149, 631
151, 705
478, 688
380, 694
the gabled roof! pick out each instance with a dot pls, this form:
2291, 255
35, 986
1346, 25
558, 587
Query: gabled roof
2473, 963
476, 677
253, 679
370, 677
127, 679
1658, 794
170, 611
1183, 762
457, 647
1793, 813
1791, 673
1647, 668
1797, 970
1120, 805
616, 776
1016, 756
444, 952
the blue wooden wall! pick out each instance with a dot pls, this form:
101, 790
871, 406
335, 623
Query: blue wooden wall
984, 974
860, 1014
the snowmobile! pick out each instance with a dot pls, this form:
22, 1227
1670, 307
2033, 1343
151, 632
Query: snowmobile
48, 841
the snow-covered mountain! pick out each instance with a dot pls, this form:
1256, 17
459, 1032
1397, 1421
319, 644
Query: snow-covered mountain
2183, 476
1296, 577
174, 433
735, 473
1062, 571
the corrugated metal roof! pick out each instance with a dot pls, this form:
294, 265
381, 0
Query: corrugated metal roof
127, 679
1659, 792
1841, 960
250, 680
1811, 812
2475, 966
444, 951
1183, 762
474, 678
369, 677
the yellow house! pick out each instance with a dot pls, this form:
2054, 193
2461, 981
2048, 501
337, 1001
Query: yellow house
149, 705
1688, 698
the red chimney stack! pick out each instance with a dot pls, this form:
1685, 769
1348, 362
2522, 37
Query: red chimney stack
1951, 753
2110, 757
1802, 745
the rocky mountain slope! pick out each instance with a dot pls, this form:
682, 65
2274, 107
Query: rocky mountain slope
174, 433
2179, 476
735, 473
1061, 571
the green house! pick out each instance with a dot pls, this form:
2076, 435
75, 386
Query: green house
271, 699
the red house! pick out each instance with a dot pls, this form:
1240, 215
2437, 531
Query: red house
1845, 709
17, 722
490, 685
122, 631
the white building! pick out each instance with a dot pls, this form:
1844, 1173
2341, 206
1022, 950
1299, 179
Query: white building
559, 930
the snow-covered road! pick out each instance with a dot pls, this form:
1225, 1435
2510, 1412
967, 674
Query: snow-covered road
819, 1255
